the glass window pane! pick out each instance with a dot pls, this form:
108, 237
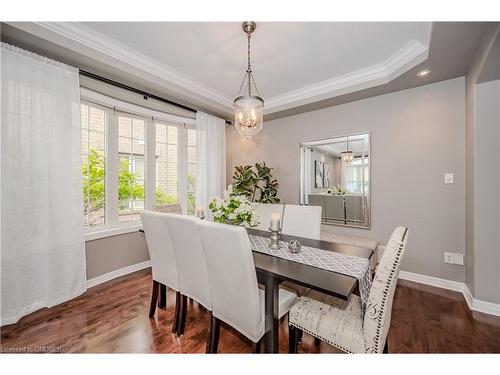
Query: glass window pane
166, 164
93, 124
172, 135
138, 129
191, 171
124, 145
124, 126
132, 168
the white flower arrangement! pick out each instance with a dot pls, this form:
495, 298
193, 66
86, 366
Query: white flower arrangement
338, 190
233, 209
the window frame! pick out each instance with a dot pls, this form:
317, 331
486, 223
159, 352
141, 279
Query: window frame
113, 108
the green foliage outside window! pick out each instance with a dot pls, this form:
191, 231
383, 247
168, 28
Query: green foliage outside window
128, 188
191, 196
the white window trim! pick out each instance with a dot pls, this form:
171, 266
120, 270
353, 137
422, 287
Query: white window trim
105, 231
112, 108
129, 108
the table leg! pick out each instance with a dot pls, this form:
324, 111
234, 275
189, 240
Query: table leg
162, 298
272, 314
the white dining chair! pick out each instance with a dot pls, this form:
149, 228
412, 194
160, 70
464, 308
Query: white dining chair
302, 221
163, 264
341, 323
191, 266
236, 298
264, 212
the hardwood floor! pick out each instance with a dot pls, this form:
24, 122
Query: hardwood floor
113, 318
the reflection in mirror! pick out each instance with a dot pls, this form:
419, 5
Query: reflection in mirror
335, 174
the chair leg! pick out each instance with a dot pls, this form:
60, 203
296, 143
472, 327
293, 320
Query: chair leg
301, 336
386, 346
256, 347
182, 316
293, 339
162, 299
154, 298
175, 323
317, 341
213, 335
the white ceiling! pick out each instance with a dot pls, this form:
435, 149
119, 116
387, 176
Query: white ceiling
285, 56
202, 64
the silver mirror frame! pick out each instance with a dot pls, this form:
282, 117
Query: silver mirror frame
367, 224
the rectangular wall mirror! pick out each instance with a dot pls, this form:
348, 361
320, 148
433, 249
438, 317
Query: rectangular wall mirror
335, 174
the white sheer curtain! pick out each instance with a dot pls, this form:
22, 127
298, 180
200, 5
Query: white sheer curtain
42, 244
210, 159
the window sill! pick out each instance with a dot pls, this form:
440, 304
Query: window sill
109, 232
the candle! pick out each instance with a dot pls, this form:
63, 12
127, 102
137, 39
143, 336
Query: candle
200, 212
275, 221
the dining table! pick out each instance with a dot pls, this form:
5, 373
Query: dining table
273, 270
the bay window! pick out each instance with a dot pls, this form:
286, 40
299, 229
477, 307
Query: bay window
134, 160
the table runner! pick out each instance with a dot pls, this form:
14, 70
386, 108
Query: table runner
349, 265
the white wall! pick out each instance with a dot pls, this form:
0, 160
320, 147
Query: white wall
416, 136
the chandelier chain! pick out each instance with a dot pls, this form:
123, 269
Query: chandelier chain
248, 77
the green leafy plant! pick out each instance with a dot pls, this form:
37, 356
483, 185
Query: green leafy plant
258, 184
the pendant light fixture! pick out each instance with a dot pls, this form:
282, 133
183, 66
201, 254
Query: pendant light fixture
248, 108
347, 155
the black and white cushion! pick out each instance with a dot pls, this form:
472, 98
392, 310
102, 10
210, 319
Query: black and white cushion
344, 324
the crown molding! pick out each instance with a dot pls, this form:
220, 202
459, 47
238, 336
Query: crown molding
83, 39
407, 57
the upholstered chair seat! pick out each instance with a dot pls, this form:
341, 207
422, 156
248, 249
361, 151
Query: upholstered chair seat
344, 324
330, 319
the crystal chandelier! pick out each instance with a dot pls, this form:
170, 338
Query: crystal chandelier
347, 155
248, 108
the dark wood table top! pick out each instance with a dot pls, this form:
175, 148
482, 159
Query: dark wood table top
329, 282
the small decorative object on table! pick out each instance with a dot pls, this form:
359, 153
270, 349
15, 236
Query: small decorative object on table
200, 212
294, 246
275, 229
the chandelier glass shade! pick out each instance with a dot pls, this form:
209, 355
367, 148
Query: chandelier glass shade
347, 155
248, 107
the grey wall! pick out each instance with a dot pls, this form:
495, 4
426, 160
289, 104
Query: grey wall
480, 128
112, 253
487, 193
416, 136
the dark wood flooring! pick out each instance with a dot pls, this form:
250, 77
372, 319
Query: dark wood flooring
113, 318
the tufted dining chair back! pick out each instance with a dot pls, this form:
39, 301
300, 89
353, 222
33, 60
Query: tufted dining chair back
160, 249
378, 309
190, 258
233, 282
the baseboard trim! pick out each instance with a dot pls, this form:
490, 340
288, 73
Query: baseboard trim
117, 273
472, 303
432, 281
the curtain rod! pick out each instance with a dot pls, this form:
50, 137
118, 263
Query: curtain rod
144, 94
